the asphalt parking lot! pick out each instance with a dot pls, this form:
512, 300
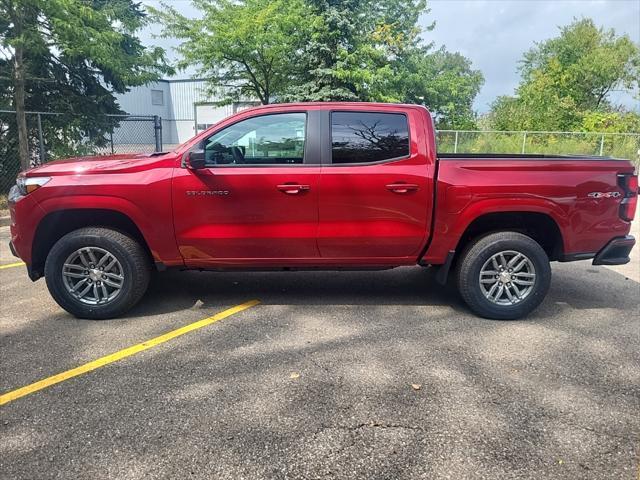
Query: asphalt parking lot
332, 375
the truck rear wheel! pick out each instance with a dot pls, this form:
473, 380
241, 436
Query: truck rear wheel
97, 273
504, 275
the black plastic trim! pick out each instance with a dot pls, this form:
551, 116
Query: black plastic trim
313, 144
574, 257
443, 270
616, 252
325, 137
33, 274
13, 250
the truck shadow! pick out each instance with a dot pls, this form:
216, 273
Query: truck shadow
501, 398
577, 286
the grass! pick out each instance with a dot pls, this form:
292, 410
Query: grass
619, 146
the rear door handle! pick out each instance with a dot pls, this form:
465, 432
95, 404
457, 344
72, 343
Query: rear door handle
293, 188
401, 187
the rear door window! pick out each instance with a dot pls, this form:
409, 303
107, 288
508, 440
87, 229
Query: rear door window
365, 137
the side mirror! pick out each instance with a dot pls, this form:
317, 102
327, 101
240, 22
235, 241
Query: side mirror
195, 160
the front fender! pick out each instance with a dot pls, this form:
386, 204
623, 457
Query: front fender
156, 229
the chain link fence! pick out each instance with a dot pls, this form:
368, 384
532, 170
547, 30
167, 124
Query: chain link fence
55, 135
618, 145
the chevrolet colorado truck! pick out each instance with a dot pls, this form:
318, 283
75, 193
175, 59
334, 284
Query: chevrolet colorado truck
319, 186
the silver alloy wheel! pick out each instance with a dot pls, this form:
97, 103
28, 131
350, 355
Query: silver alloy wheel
507, 278
93, 275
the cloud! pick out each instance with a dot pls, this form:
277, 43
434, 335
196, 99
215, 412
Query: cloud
495, 33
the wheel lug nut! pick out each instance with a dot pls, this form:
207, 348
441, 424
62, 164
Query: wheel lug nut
104, 277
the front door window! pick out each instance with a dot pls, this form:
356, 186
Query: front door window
277, 139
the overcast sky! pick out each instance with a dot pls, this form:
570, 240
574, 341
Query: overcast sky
495, 33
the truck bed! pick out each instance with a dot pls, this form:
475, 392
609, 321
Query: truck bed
525, 156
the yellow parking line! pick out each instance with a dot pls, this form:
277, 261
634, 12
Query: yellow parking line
10, 265
127, 352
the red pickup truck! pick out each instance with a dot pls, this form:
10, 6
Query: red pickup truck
319, 186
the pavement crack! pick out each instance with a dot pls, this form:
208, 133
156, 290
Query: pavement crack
374, 425
631, 435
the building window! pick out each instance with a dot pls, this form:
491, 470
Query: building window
239, 106
157, 97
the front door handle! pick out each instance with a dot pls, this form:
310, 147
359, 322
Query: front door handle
401, 187
293, 188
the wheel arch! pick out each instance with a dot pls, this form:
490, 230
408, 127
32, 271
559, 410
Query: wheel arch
58, 223
541, 227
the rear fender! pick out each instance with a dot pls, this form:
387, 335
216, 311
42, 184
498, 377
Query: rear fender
451, 225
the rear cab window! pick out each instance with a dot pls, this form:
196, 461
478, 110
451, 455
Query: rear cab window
368, 137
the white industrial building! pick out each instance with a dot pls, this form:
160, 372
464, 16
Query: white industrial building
183, 105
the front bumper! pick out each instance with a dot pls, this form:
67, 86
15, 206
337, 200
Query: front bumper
33, 275
616, 252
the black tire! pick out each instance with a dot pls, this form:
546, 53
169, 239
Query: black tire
481, 251
133, 258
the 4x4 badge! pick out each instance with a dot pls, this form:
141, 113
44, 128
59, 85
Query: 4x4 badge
604, 195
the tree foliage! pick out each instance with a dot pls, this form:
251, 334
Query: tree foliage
443, 81
568, 79
322, 50
246, 49
71, 56
356, 49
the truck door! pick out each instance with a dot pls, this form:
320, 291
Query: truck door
256, 202
375, 188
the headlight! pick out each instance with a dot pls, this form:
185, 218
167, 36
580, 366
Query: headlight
14, 194
26, 185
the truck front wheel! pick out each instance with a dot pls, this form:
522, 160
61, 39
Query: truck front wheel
97, 273
504, 275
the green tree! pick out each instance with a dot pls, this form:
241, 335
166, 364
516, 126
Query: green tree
443, 81
566, 78
611, 122
246, 49
372, 51
71, 56
356, 48
322, 50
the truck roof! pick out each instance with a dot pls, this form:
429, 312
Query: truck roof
340, 105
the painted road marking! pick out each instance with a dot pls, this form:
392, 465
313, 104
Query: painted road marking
127, 352
11, 265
